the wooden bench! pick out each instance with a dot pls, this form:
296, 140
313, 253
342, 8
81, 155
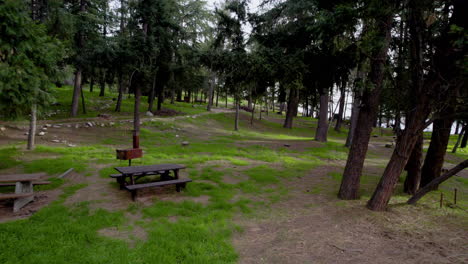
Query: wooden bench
34, 183
23, 183
179, 183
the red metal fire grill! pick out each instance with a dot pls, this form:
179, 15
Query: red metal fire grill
133, 153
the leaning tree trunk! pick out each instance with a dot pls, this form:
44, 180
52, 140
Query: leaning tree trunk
76, 93
464, 140
413, 167
415, 119
437, 181
32, 127
462, 133
322, 127
349, 188
292, 104
436, 152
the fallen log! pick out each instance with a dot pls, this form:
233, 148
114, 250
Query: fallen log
436, 182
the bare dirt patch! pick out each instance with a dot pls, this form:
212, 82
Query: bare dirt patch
318, 228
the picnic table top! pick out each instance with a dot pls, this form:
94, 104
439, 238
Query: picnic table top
21, 177
148, 168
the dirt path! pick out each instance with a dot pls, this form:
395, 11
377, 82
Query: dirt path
318, 228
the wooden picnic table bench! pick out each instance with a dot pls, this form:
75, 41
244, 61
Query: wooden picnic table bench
133, 173
23, 183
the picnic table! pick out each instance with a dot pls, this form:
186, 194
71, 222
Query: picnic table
23, 183
129, 175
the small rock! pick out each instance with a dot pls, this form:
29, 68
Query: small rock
71, 145
287, 145
176, 135
69, 126
44, 128
111, 123
2, 129
148, 113
77, 126
56, 126
185, 143
55, 140
102, 125
27, 133
63, 141
389, 145
375, 136
42, 133
47, 125
89, 124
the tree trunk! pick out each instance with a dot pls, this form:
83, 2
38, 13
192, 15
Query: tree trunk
102, 85
210, 93
160, 97
413, 167
91, 84
437, 181
464, 140
341, 108
463, 131
253, 112
457, 127
76, 93
236, 121
32, 127
121, 88
136, 117
436, 152
349, 188
83, 99
322, 127
151, 95
354, 118
414, 120
292, 104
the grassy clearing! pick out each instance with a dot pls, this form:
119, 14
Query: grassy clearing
176, 232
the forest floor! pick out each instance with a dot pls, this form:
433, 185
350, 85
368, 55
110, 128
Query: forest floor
261, 195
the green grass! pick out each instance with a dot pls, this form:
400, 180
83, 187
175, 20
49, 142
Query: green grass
176, 232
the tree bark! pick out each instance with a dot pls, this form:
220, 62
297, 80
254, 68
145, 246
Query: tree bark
463, 131
121, 88
322, 127
350, 183
76, 93
437, 181
413, 167
151, 95
136, 117
102, 84
436, 152
236, 121
464, 140
341, 107
160, 97
210, 93
292, 104
83, 104
354, 118
32, 127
